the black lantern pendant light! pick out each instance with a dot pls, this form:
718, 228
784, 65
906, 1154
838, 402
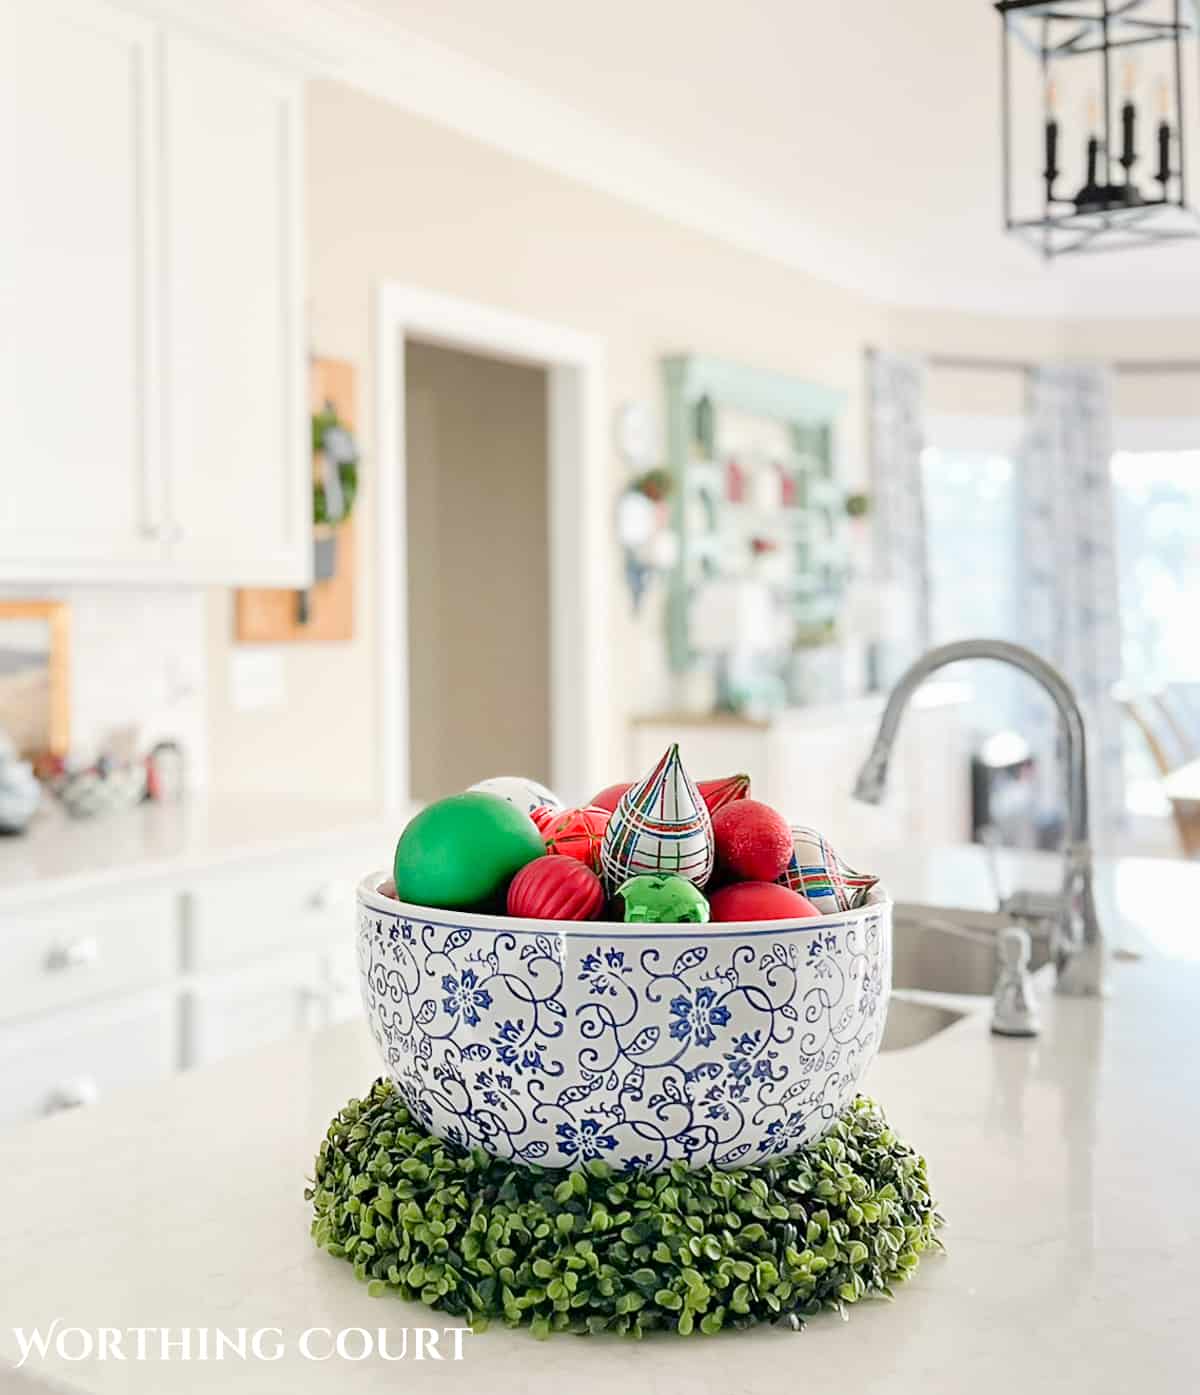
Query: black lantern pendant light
1123, 182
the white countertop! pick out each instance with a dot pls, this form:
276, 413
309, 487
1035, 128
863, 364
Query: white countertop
1066, 1167
60, 854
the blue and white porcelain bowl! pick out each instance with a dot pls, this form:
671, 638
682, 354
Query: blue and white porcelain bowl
557, 1042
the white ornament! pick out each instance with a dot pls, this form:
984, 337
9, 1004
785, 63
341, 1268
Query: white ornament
525, 794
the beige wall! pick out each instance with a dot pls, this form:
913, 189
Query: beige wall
393, 197
478, 568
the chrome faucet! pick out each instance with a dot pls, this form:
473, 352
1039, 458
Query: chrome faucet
1077, 941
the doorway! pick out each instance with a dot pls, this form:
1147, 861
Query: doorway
478, 569
498, 527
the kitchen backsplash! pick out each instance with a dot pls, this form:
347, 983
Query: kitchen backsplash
137, 659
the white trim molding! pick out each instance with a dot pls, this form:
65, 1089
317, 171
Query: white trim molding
577, 521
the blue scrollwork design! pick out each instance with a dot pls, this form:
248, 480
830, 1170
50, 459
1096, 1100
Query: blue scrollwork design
558, 1049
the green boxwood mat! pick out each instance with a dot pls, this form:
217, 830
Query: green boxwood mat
593, 1250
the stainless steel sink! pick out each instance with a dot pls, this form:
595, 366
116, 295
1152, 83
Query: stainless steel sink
909, 1023
941, 951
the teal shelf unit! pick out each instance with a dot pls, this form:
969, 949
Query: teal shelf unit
811, 529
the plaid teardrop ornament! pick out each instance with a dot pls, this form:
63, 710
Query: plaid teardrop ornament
661, 824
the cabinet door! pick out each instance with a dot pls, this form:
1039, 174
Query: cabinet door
239, 478
259, 1003
77, 293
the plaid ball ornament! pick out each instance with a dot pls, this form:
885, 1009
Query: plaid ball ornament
577, 833
816, 871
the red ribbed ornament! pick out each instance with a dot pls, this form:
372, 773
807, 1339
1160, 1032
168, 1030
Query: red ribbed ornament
557, 888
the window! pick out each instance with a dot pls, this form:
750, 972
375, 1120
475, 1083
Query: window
970, 494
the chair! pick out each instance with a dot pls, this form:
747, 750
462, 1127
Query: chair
1169, 752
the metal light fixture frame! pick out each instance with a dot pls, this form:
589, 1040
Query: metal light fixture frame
1055, 30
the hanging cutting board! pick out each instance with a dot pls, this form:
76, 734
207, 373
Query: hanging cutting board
273, 617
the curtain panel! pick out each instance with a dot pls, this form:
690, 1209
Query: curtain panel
1067, 570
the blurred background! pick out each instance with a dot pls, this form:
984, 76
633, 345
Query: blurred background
397, 396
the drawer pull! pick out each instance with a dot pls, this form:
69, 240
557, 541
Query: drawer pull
73, 1094
76, 955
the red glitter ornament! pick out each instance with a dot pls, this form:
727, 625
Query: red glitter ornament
578, 833
752, 901
556, 888
754, 842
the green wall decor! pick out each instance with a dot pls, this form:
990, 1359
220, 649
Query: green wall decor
722, 530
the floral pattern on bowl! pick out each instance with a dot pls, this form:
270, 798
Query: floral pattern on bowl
558, 1043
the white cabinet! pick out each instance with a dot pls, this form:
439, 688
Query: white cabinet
71, 1060
235, 427
804, 763
254, 1005
79, 477
151, 302
125, 984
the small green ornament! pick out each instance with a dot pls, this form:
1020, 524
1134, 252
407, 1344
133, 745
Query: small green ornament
463, 851
661, 899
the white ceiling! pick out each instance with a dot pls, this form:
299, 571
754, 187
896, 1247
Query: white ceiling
869, 126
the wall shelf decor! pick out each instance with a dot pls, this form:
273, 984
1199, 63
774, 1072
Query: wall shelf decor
758, 512
1115, 176
325, 610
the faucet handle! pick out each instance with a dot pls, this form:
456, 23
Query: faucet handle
1014, 1007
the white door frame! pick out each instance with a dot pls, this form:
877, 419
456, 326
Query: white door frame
577, 519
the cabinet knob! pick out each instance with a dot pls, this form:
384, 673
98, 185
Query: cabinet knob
78, 954
73, 1094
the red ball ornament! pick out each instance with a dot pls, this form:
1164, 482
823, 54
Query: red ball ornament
543, 816
754, 843
752, 901
578, 833
556, 888
610, 796
717, 793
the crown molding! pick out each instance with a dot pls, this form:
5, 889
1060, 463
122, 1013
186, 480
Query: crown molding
338, 40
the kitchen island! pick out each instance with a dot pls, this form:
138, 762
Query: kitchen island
1066, 1166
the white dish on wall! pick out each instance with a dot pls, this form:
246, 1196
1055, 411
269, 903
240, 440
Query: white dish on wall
557, 1042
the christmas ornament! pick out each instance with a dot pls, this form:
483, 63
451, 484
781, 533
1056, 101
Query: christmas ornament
577, 833
660, 825
527, 795
543, 816
759, 901
816, 871
653, 899
610, 796
754, 842
463, 850
555, 888
717, 793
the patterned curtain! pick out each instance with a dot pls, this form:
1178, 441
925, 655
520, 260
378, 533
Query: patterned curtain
1067, 570
895, 405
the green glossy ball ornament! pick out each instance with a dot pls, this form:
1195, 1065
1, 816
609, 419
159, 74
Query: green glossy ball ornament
653, 898
463, 851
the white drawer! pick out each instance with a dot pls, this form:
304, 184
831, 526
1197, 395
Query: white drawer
254, 1005
87, 948
76, 1059
293, 902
